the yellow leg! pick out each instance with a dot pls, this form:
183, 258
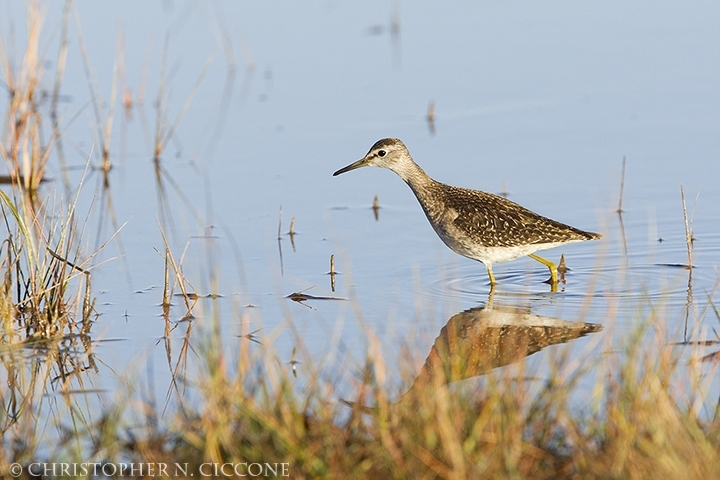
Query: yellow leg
490, 274
491, 296
550, 265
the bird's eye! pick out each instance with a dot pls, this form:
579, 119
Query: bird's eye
381, 153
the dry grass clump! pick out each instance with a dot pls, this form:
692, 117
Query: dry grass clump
40, 252
24, 142
634, 423
656, 419
34, 295
46, 308
46, 316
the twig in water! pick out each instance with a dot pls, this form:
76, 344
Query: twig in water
689, 238
622, 187
291, 232
302, 297
279, 240
68, 262
59, 72
431, 117
166, 286
562, 266
163, 132
332, 272
294, 362
180, 279
99, 106
251, 336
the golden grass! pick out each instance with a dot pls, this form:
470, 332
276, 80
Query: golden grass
41, 254
22, 147
636, 422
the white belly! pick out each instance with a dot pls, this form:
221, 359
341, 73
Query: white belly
492, 255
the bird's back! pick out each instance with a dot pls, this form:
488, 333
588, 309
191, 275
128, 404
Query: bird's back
490, 220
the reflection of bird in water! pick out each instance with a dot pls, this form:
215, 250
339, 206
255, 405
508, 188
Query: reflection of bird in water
475, 224
475, 341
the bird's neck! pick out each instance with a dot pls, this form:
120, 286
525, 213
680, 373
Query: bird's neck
413, 175
425, 190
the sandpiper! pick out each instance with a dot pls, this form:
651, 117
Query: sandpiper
478, 225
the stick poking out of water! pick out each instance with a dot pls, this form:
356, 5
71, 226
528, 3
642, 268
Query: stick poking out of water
689, 238
332, 272
622, 186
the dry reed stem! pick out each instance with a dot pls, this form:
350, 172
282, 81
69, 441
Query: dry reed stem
61, 63
622, 187
332, 272
103, 121
431, 117
164, 134
180, 279
688, 230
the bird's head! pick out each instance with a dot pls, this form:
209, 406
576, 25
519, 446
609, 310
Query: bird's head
386, 153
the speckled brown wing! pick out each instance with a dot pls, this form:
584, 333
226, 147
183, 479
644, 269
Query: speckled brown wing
494, 221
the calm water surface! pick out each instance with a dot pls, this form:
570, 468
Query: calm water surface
542, 102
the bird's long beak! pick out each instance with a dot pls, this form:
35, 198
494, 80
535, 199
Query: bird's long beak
360, 163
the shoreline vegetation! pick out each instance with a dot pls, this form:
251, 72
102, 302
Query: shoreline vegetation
648, 414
